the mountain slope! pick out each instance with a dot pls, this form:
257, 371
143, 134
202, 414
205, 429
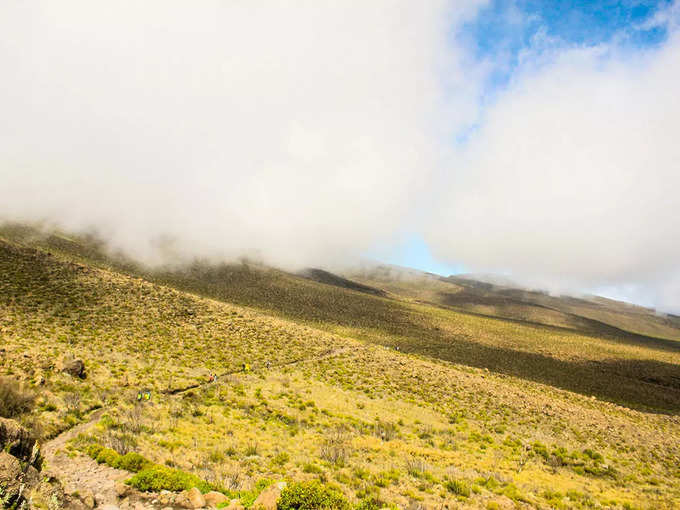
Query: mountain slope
406, 427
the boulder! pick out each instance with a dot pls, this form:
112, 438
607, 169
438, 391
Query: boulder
235, 504
72, 366
269, 497
214, 498
190, 499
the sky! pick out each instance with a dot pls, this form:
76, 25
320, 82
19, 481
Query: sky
528, 138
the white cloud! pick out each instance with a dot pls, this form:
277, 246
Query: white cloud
300, 131
572, 178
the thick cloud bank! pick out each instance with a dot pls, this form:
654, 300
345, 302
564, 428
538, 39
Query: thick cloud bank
294, 131
313, 132
572, 179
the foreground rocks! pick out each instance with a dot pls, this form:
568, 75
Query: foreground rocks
20, 463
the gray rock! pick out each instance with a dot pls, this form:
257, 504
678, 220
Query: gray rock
71, 366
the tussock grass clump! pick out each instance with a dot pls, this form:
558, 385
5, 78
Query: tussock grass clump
14, 399
458, 487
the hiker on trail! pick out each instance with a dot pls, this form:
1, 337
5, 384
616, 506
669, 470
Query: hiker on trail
139, 396
211, 378
268, 364
246, 367
147, 395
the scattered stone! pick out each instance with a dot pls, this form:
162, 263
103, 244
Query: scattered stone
269, 497
235, 504
121, 489
214, 498
71, 366
190, 499
87, 496
100, 500
166, 498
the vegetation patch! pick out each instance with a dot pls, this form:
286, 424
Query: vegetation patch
311, 496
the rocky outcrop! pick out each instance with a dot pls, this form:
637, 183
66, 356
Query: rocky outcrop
19, 463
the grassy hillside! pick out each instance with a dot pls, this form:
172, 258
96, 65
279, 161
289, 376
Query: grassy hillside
472, 410
588, 314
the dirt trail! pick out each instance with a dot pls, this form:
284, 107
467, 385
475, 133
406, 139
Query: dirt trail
328, 354
81, 473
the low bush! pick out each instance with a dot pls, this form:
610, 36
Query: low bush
131, 461
108, 456
14, 399
157, 478
311, 496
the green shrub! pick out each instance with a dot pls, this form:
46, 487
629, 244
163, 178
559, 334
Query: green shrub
458, 487
370, 504
540, 449
280, 459
158, 478
133, 462
263, 483
107, 456
311, 496
93, 450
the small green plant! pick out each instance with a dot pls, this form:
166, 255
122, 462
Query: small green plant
311, 496
280, 459
312, 468
458, 487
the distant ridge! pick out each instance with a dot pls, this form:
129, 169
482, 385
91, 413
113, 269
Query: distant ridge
321, 276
